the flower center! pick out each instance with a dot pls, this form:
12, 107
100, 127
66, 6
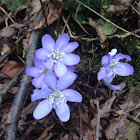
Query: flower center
56, 56
112, 63
56, 95
44, 71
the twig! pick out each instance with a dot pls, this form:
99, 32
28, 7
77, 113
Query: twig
78, 21
135, 10
7, 14
2, 58
80, 122
6, 88
24, 87
6, 75
58, 20
106, 19
44, 12
98, 121
136, 122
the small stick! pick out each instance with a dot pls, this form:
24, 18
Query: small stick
80, 122
2, 58
6, 88
136, 122
98, 121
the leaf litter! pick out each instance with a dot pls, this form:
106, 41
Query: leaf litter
114, 111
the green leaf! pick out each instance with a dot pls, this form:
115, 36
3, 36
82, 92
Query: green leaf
13, 4
106, 27
80, 17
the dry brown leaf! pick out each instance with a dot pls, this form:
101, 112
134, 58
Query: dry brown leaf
11, 68
85, 116
120, 8
36, 6
5, 49
106, 108
7, 32
17, 25
40, 24
116, 128
52, 13
25, 46
2, 86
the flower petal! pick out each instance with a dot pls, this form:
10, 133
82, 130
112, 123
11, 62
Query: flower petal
66, 80
50, 79
122, 56
70, 47
123, 69
40, 94
37, 82
49, 64
43, 109
71, 59
72, 95
107, 80
62, 41
48, 42
71, 68
38, 63
101, 74
105, 60
33, 71
60, 69
113, 52
42, 53
114, 87
63, 112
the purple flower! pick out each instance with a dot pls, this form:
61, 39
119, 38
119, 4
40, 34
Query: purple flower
38, 71
55, 96
111, 66
57, 55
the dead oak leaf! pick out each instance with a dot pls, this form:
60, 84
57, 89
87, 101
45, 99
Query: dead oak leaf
52, 13
7, 32
11, 68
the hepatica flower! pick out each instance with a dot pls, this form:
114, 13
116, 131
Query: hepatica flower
57, 55
56, 96
111, 66
38, 71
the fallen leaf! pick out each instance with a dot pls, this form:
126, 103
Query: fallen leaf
106, 107
17, 25
5, 49
120, 8
52, 13
36, 6
11, 68
116, 128
7, 32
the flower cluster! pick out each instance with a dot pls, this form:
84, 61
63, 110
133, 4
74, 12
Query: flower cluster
53, 73
111, 66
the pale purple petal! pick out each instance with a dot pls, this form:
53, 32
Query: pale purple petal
71, 59
48, 42
114, 87
60, 69
72, 95
113, 52
44, 85
43, 109
62, 41
101, 74
63, 112
107, 80
110, 73
42, 53
71, 68
105, 60
38, 63
122, 56
50, 79
66, 80
49, 64
123, 69
40, 94
33, 71
37, 82
70, 47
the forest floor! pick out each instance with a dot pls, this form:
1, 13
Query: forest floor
103, 113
